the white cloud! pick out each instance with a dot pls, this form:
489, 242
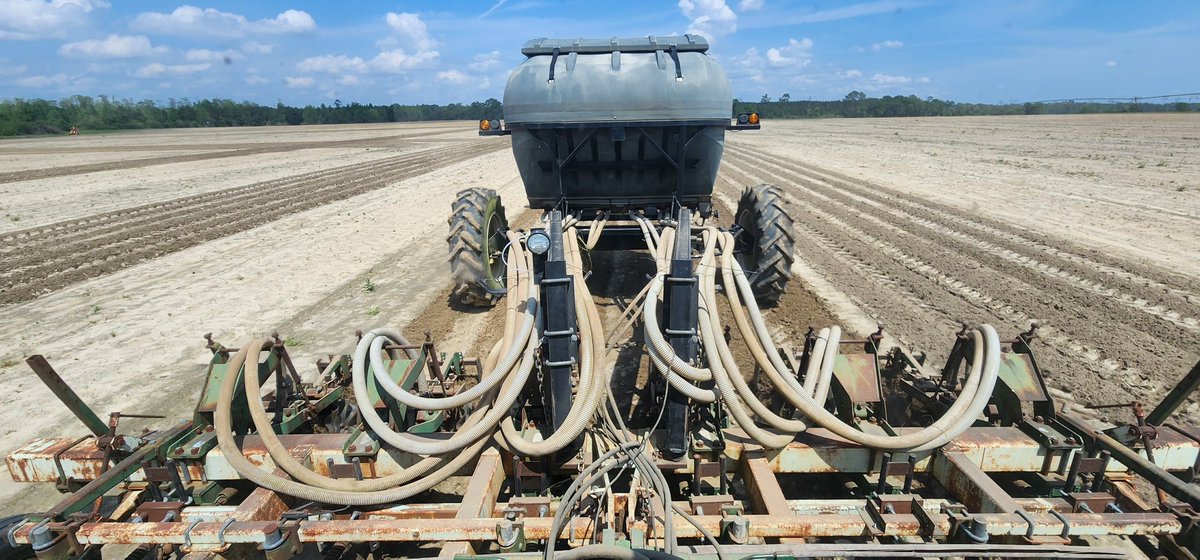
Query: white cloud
7, 69
795, 53
747, 66
332, 64
157, 69
190, 20
1111, 63
349, 80
923, 80
409, 46
206, 55
253, 47
412, 31
255, 79
494, 7
40, 19
848, 74
302, 82
43, 81
748, 5
453, 77
113, 46
290, 21
710, 18
399, 61
485, 61
886, 45
890, 80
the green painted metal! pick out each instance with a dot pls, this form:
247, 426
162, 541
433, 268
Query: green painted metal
85, 497
1176, 397
856, 386
55, 383
406, 373
212, 389
297, 415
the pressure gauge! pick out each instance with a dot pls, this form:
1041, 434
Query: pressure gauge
538, 242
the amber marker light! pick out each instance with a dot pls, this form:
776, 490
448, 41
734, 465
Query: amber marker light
753, 118
485, 125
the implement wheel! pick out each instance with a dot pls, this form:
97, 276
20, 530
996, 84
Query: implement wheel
8, 551
477, 241
764, 242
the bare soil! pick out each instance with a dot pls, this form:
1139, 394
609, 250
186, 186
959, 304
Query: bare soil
114, 265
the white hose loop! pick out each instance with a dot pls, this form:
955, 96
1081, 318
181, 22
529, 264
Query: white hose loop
962, 413
593, 379
655, 340
371, 349
728, 392
708, 291
779, 377
462, 438
828, 359
233, 455
812, 373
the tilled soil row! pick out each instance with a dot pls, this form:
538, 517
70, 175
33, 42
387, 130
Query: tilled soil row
64, 170
1172, 318
890, 302
91, 227
169, 230
1056, 256
954, 275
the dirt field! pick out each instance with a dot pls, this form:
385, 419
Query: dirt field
117, 252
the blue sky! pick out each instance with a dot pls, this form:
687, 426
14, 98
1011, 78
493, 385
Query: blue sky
302, 52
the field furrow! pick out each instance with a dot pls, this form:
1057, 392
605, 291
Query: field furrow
95, 246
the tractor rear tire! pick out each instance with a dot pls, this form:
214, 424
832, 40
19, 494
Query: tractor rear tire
765, 244
477, 241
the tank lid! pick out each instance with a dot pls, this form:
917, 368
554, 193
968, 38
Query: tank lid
685, 43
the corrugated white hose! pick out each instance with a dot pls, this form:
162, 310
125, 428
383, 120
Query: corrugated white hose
828, 359
728, 392
374, 349
594, 232
655, 238
464, 437
233, 455
966, 408
971, 401
815, 358
617, 327
662, 356
283, 458
461, 438
592, 381
771, 364
656, 342
708, 289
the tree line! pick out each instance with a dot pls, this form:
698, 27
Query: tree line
40, 116
857, 105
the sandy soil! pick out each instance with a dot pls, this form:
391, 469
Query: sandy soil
119, 262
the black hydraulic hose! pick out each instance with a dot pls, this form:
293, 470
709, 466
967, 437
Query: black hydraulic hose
582, 480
